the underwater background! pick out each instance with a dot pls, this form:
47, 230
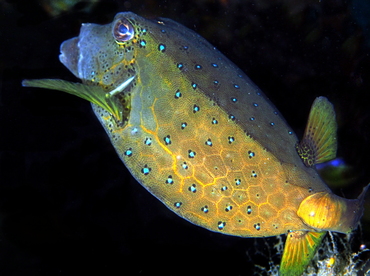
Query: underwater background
68, 205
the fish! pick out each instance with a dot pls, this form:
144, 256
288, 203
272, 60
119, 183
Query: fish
201, 137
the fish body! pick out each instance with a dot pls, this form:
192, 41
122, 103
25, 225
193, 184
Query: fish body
196, 132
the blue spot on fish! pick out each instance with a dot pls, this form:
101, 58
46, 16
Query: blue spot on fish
257, 226
167, 140
228, 208
249, 210
193, 188
251, 154
221, 225
128, 152
209, 142
231, 139
178, 94
192, 154
169, 180
148, 141
146, 170
161, 47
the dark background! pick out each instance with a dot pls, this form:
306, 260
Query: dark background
68, 206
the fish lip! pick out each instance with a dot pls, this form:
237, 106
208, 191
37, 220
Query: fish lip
72, 51
78, 52
69, 53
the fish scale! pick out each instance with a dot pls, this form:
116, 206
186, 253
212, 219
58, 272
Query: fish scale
203, 176
202, 138
224, 83
227, 179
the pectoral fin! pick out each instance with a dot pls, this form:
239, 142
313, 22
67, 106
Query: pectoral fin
91, 93
300, 247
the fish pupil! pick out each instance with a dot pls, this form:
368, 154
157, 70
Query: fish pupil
122, 29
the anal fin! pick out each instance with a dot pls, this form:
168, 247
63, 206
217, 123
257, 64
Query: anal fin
300, 247
319, 143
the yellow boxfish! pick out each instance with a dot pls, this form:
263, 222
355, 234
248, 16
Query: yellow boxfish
195, 131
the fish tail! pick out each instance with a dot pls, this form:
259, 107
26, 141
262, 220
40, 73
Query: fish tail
356, 207
329, 212
300, 247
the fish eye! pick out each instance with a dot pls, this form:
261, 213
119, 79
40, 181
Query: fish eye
123, 30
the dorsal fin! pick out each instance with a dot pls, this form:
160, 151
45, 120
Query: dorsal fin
319, 143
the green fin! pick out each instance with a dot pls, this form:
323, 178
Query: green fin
94, 94
299, 249
319, 143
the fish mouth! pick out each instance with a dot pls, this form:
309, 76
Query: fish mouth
78, 54
69, 55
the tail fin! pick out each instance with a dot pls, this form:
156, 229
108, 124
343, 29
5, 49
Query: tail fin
358, 207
